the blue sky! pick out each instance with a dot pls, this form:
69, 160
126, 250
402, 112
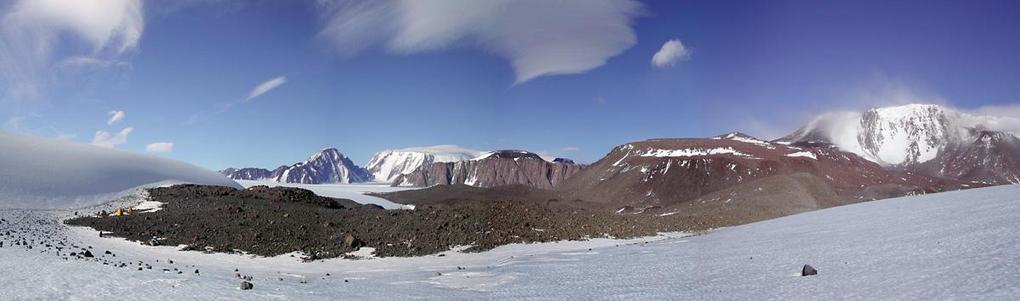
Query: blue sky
571, 79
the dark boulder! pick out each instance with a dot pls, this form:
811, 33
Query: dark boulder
808, 270
245, 285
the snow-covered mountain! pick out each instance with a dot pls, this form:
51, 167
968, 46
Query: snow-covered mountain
387, 165
926, 138
42, 173
491, 169
324, 167
900, 135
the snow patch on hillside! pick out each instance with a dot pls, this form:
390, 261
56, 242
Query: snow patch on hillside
691, 152
805, 154
744, 139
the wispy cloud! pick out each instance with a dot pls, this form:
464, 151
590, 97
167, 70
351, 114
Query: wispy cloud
160, 147
671, 53
115, 117
31, 31
14, 123
106, 139
569, 149
538, 38
266, 86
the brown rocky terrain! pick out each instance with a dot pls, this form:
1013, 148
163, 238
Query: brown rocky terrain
989, 157
672, 172
274, 221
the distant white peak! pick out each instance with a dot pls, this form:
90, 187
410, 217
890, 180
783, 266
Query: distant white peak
912, 133
387, 165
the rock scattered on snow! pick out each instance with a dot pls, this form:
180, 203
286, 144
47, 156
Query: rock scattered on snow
245, 285
808, 270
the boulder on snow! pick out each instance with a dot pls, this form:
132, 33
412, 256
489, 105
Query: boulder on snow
808, 270
351, 242
245, 285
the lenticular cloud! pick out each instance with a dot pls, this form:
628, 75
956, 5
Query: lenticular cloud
537, 38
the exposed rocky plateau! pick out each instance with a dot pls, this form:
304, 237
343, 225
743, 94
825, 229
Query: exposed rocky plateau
275, 221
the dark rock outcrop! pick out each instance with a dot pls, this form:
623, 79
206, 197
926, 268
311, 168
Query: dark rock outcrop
499, 168
808, 270
252, 173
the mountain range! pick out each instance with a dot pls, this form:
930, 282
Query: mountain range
324, 167
836, 158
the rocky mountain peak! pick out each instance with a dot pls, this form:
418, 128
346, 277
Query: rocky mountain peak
510, 154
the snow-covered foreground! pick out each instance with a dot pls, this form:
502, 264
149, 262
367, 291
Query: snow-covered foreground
954, 245
354, 192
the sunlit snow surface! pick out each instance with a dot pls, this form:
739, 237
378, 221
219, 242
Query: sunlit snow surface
354, 192
954, 245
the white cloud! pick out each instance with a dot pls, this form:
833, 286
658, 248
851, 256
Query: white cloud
569, 149
115, 117
671, 53
106, 139
1004, 118
31, 31
266, 86
537, 37
160, 147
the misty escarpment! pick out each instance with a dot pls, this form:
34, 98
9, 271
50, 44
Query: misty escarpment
925, 139
498, 168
